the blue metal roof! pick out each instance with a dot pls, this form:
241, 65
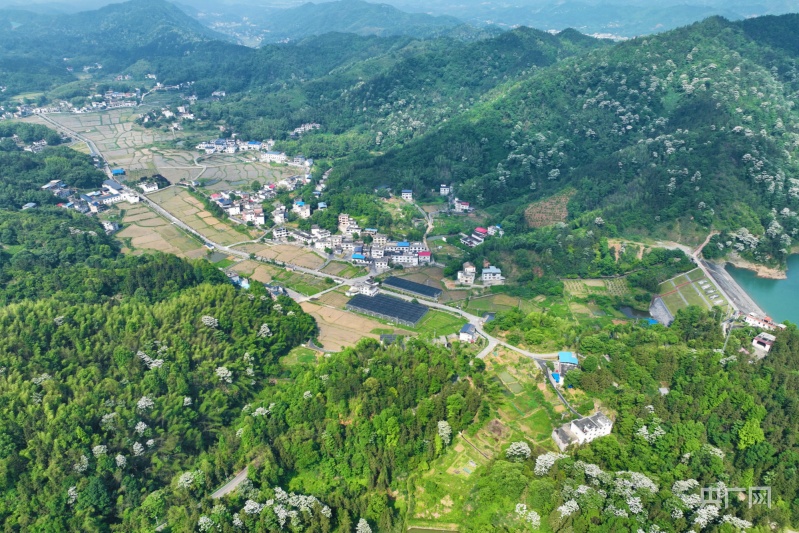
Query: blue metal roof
468, 328
118, 172
567, 357
358, 256
556, 377
403, 244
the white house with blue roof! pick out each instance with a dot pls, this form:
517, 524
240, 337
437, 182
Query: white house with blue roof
468, 333
567, 361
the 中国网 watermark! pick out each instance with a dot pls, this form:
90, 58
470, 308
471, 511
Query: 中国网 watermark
721, 495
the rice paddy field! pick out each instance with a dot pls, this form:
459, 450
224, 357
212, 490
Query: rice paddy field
143, 230
182, 205
285, 253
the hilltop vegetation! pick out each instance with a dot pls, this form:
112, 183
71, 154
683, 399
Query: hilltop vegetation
696, 126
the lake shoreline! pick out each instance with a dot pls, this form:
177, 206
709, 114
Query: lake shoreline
761, 271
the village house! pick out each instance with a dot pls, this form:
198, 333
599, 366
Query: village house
492, 276
273, 157
764, 341
444, 190
468, 274
764, 322
149, 187
407, 195
582, 430
280, 233
381, 264
461, 207
468, 333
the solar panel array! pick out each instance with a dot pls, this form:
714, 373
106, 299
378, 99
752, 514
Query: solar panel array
412, 287
388, 308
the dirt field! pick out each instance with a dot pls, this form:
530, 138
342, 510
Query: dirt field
190, 210
143, 230
287, 253
549, 210
339, 329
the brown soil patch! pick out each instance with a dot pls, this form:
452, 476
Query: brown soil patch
549, 210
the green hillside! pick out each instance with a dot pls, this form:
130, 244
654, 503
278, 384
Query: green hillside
695, 126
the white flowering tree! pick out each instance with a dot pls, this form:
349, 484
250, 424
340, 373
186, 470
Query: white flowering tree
445, 431
528, 516
145, 403
518, 451
544, 462
363, 527
224, 375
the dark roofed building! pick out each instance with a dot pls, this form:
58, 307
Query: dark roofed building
412, 288
387, 308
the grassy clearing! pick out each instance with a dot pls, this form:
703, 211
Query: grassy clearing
299, 355
691, 288
439, 323
549, 210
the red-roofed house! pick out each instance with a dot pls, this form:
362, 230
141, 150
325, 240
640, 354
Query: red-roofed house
481, 231
425, 257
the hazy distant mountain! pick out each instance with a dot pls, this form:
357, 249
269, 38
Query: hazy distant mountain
622, 18
256, 26
37, 49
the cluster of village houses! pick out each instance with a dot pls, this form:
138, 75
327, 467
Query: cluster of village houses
90, 203
267, 155
490, 275
380, 253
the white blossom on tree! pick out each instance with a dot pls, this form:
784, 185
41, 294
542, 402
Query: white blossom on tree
107, 421
186, 401
363, 527
568, 508
326, 512
529, 516
59, 320
705, 515
264, 331
210, 321
121, 461
138, 449
237, 522
145, 403
99, 450
444, 431
72, 495
545, 461
518, 451
224, 375
253, 507
150, 443
81, 465
205, 523
736, 522
140, 428
307, 395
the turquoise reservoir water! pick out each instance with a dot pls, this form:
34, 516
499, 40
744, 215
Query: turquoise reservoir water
777, 297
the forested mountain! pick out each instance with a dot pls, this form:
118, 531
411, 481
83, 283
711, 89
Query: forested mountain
695, 126
397, 86
36, 49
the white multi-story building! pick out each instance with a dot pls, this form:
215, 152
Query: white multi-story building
492, 276
468, 274
763, 322
582, 430
407, 194
273, 157
444, 190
